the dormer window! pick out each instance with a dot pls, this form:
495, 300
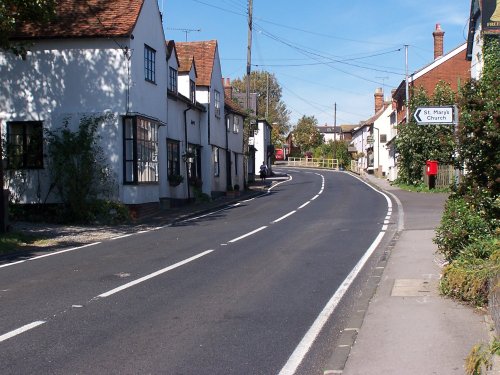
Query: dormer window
192, 91
172, 80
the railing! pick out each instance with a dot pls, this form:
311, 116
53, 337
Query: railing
313, 163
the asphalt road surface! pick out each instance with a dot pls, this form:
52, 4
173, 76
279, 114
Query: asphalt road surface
258, 288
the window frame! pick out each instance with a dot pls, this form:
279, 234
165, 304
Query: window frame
192, 91
173, 76
139, 151
173, 157
236, 124
31, 154
216, 161
149, 64
217, 103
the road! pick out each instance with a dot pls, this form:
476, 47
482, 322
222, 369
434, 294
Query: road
259, 288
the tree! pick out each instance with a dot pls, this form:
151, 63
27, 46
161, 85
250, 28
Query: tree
78, 167
325, 151
479, 134
14, 13
262, 83
418, 143
306, 133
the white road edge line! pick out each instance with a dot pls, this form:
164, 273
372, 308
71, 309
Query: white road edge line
305, 344
20, 330
63, 251
284, 217
248, 234
154, 274
11, 264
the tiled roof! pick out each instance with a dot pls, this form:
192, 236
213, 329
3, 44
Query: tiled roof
376, 116
86, 18
234, 107
203, 54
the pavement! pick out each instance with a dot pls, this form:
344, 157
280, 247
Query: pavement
407, 327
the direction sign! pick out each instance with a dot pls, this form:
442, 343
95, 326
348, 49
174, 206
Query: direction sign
370, 140
435, 115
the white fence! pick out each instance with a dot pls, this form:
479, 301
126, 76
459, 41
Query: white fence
313, 163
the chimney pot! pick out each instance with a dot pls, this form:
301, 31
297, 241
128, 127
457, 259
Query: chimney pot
379, 99
438, 35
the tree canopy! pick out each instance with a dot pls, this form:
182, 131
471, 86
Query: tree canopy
278, 115
306, 134
13, 13
418, 143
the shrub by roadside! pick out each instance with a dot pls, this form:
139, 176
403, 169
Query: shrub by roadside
462, 224
467, 278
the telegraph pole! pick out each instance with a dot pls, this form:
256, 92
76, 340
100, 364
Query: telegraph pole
335, 131
3, 209
249, 50
406, 86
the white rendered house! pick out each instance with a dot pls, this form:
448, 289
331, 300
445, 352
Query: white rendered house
113, 61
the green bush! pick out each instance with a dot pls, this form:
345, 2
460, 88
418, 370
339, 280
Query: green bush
467, 277
461, 225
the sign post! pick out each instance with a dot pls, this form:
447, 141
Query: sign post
446, 115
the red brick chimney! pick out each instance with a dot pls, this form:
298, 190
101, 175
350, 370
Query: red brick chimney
438, 35
228, 89
379, 99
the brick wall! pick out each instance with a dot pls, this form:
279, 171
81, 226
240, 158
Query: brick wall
455, 71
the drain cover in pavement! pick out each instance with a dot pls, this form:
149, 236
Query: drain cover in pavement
414, 288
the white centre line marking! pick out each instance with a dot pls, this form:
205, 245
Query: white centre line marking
20, 330
248, 234
154, 274
284, 216
305, 204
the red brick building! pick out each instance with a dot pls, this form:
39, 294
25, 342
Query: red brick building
452, 67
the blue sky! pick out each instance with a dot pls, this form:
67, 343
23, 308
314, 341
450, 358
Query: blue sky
323, 51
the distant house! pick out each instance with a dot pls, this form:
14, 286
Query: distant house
91, 59
186, 123
235, 117
262, 145
330, 132
210, 93
371, 137
336, 133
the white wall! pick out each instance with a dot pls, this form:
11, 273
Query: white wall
381, 154
71, 77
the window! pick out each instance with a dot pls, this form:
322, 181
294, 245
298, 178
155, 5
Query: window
172, 81
216, 162
192, 91
24, 145
194, 168
383, 138
149, 64
140, 149
236, 124
217, 102
173, 158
